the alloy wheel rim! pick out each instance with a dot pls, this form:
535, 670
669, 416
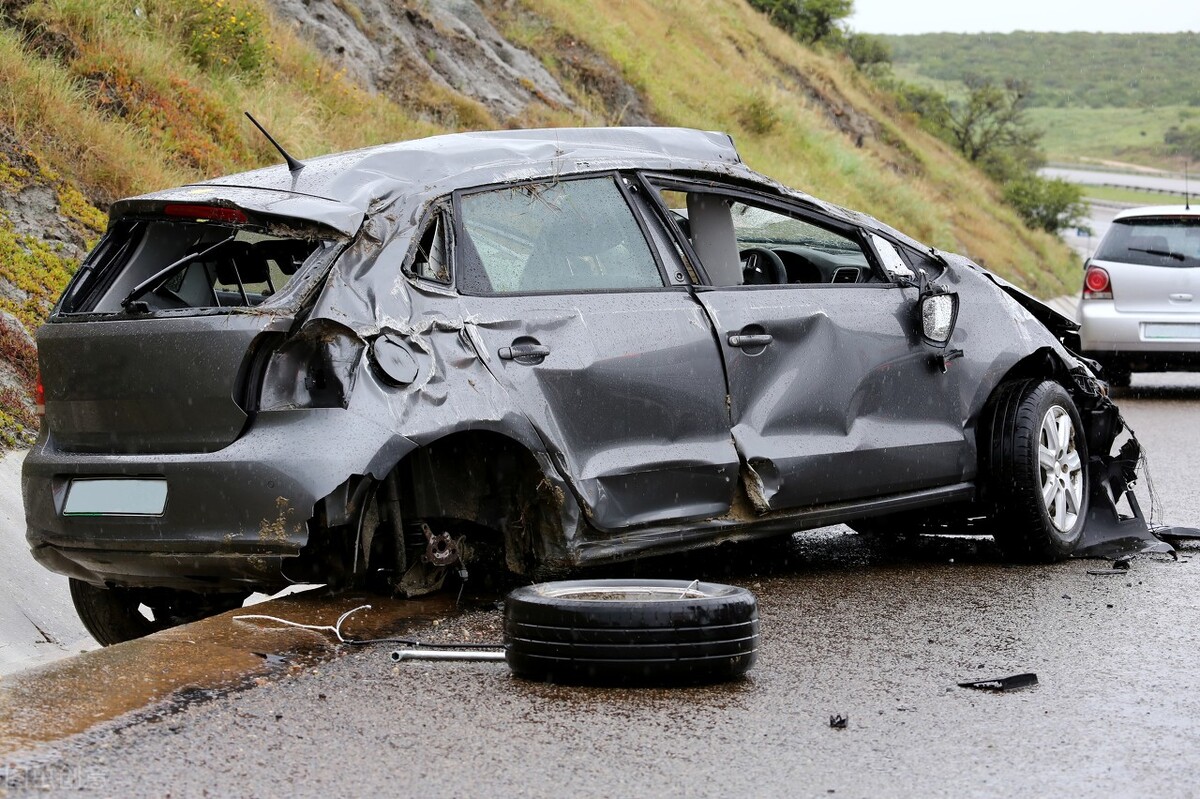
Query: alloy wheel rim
1060, 468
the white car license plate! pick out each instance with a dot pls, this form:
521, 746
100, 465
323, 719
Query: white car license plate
1189, 331
116, 497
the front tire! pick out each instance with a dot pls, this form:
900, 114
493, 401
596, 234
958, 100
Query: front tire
1038, 475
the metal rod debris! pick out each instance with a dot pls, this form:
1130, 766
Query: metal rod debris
441, 654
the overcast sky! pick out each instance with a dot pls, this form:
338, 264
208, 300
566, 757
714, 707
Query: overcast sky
975, 16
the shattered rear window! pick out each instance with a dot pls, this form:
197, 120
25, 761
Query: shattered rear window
190, 265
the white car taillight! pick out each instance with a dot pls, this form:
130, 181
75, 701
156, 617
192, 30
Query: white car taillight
1096, 285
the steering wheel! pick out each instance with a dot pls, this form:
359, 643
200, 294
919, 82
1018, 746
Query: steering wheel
761, 266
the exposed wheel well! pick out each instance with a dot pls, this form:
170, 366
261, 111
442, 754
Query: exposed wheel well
486, 480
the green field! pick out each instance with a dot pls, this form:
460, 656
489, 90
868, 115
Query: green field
1132, 135
1100, 70
1130, 196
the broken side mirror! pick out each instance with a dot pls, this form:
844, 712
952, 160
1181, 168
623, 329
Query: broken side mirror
939, 312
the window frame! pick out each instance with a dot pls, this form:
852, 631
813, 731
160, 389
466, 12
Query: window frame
438, 213
653, 182
461, 239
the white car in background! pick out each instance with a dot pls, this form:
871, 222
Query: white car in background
1140, 308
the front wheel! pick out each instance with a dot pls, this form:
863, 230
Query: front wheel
1038, 476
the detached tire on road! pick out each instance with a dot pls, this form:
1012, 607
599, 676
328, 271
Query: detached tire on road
1038, 470
640, 632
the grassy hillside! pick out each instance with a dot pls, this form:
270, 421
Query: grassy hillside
1095, 70
1133, 135
104, 98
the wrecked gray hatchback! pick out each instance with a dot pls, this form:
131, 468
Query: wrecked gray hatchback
563, 347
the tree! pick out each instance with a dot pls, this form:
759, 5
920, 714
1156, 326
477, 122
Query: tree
1183, 140
869, 53
992, 119
810, 21
929, 106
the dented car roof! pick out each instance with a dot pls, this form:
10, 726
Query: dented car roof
340, 190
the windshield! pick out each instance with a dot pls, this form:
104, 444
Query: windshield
762, 226
1153, 241
216, 266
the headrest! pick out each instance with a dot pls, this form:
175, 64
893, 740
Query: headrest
240, 259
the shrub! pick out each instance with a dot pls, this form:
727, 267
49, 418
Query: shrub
223, 34
757, 115
1049, 205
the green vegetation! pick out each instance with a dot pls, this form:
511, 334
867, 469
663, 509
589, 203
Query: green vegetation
1132, 135
984, 120
1051, 205
810, 21
110, 98
1095, 70
1111, 97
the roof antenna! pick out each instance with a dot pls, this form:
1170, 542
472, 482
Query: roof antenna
293, 165
1187, 202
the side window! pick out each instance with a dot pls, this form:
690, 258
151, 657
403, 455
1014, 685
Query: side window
564, 236
741, 244
430, 260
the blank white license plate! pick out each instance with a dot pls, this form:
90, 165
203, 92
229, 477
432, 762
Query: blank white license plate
1176, 330
116, 497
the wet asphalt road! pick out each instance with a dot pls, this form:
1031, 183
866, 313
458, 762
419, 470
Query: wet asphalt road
878, 633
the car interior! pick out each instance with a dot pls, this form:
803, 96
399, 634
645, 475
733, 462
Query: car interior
741, 244
218, 266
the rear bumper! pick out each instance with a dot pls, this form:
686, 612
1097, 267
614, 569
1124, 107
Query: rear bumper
232, 517
1107, 334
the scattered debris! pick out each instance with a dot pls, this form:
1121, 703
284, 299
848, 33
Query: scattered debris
1002, 683
1120, 566
442, 654
1176, 535
839, 721
335, 628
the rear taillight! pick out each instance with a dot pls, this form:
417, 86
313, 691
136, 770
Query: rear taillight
206, 213
1096, 285
39, 397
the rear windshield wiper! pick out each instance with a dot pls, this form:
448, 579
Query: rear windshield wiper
158, 277
1166, 253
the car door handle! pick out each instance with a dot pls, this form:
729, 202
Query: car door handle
746, 340
524, 353
1181, 297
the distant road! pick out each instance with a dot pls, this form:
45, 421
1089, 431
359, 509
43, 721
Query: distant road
1100, 216
1090, 177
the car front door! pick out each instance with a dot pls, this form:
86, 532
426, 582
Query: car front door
603, 349
834, 396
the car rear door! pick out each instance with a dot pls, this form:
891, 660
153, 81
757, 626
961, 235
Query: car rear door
609, 356
834, 396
